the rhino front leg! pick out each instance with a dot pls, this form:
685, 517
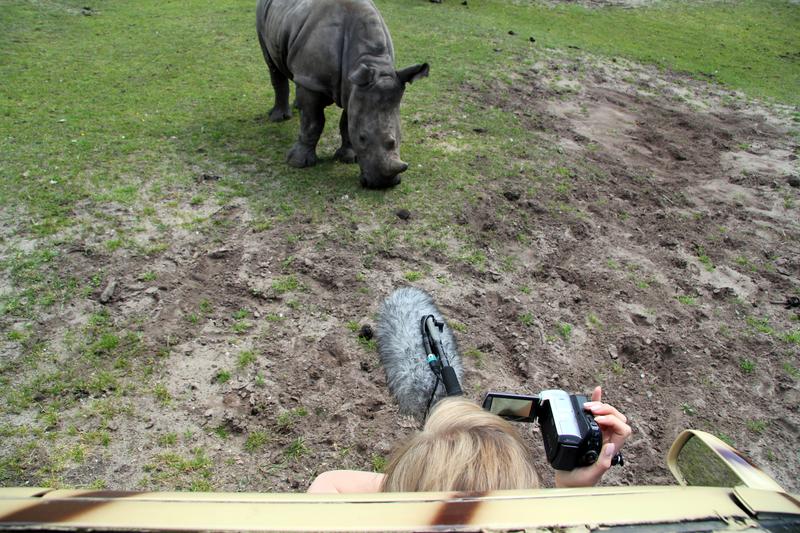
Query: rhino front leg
312, 120
280, 84
345, 153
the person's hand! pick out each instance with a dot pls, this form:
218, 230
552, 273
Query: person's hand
615, 429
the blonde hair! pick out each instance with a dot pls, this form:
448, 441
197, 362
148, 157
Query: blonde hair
461, 448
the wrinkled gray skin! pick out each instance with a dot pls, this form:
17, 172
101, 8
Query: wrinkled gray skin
337, 51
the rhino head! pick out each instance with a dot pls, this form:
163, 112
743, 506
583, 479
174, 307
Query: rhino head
373, 121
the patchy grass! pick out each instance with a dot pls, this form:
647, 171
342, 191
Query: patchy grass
370, 345
747, 366
477, 356
246, 358
101, 131
526, 319
162, 394
190, 472
413, 275
791, 370
565, 331
285, 284
287, 419
256, 440
379, 463
756, 426
296, 449
223, 376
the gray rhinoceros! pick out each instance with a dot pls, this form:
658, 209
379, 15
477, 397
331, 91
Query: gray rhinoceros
337, 51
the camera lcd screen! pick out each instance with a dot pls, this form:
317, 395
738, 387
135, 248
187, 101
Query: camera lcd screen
511, 407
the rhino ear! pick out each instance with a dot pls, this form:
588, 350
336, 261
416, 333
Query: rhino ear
362, 75
411, 74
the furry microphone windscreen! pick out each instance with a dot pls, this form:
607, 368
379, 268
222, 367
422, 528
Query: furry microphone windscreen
402, 354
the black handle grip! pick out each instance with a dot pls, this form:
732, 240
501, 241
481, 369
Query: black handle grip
450, 380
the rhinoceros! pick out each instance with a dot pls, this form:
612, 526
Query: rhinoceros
337, 51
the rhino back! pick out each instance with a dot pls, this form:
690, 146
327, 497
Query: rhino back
318, 42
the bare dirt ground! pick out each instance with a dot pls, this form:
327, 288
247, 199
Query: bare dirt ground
670, 261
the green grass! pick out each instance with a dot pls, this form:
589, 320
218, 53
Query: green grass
565, 331
256, 440
526, 319
147, 276
285, 284
205, 307
757, 426
457, 326
761, 325
162, 394
287, 419
379, 463
704, 259
296, 449
241, 326
412, 276
476, 355
241, 314
99, 131
792, 337
246, 358
368, 344
168, 439
791, 370
192, 472
726, 439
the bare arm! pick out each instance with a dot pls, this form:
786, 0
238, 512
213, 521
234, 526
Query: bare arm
346, 481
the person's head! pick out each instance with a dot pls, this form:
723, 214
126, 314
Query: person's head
461, 448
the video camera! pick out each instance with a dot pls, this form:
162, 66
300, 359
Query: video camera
571, 436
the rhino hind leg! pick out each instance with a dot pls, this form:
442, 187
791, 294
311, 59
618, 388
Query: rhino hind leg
312, 121
345, 153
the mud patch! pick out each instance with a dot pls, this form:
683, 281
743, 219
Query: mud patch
681, 190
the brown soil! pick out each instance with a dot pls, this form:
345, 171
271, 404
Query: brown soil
663, 171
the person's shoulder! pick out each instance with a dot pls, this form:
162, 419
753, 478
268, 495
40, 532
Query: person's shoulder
346, 482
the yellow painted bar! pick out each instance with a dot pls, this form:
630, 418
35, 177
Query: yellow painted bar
368, 512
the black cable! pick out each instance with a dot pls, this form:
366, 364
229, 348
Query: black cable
433, 393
